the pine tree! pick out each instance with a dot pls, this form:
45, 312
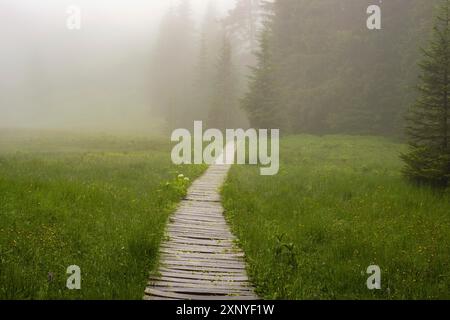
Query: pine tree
428, 160
208, 48
173, 62
260, 102
201, 82
223, 105
243, 21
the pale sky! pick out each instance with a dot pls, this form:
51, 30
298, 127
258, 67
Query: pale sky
131, 12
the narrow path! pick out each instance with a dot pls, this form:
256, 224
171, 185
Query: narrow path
199, 260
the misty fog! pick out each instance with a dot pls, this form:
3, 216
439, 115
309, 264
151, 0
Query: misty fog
98, 77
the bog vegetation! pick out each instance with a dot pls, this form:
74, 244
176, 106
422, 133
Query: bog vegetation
100, 203
311, 231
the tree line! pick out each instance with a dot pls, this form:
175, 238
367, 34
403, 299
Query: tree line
328, 73
199, 69
319, 70
308, 66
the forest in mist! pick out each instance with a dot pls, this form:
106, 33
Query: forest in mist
298, 65
98, 77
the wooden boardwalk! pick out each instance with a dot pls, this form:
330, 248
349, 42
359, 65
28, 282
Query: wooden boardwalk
199, 260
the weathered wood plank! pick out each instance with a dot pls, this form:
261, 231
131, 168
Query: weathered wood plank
186, 232
161, 293
226, 256
223, 262
199, 287
197, 221
201, 276
202, 241
205, 290
189, 243
203, 249
199, 281
199, 256
201, 264
211, 270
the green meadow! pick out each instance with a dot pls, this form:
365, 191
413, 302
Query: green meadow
338, 205
99, 202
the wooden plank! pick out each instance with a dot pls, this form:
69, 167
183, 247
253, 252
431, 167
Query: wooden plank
201, 275
215, 248
198, 235
213, 264
205, 290
199, 258
202, 235
211, 270
161, 293
198, 216
224, 262
180, 237
237, 255
190, 283
200, 205
191, 248
200, 208
199, 281
146, 297
225, 288
207, 234
185, 219
202, 241
199, 227
190, 243
185, 246
188, 230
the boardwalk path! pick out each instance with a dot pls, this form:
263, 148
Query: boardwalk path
199, 259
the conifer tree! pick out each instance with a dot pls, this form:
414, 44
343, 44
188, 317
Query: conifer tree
172, 66
260, 101
208, 47
223, 106
243, 21
428, 129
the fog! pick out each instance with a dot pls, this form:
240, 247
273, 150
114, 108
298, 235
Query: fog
98, 77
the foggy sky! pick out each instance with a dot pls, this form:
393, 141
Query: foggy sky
97, 77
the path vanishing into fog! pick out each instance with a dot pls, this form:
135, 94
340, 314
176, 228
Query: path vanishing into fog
199, 259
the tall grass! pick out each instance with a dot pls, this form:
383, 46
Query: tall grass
338, 205
97, 202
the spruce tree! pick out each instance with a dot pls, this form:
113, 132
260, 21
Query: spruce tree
209, 47
428, 160
223, 102
172, 66
260, 102
243, 22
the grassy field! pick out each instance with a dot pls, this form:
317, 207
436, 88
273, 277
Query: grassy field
338, 205
97, 202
